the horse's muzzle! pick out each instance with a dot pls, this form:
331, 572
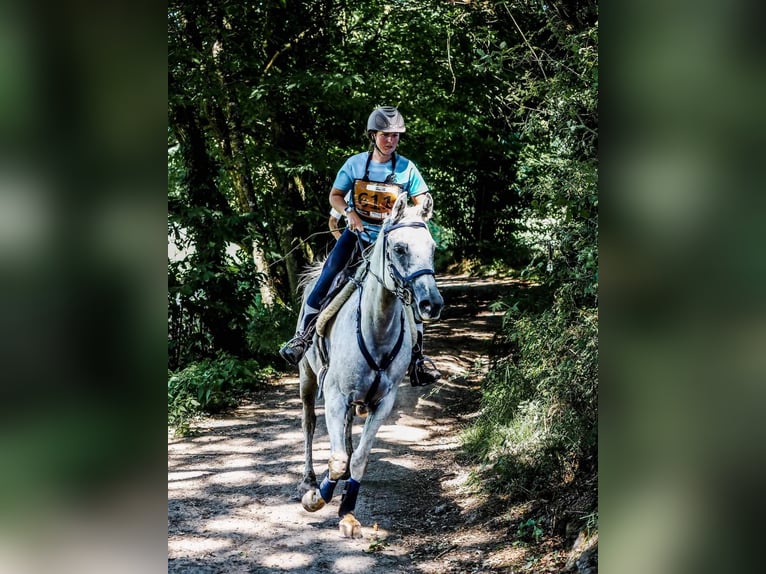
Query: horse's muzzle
430, 308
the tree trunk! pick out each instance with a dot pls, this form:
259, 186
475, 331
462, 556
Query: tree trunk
266, 286
229, 130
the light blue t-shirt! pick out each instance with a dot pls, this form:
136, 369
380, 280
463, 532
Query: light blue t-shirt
407, 175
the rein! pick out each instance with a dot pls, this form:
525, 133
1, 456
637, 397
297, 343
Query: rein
387, 359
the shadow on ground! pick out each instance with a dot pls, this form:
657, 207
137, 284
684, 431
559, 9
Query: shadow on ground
232, 504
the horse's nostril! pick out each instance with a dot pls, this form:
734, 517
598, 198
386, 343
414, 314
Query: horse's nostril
425, 308
435, 309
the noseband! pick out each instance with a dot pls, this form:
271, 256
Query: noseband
402, 283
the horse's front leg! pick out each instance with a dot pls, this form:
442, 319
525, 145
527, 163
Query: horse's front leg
335, 417
349, 526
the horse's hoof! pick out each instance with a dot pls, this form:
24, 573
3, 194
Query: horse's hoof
305, 486
312, 500
361, 411
350, 527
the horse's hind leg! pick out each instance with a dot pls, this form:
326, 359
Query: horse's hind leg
308, 390
349, 427
312, 499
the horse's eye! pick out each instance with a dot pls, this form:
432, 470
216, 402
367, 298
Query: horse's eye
400, 249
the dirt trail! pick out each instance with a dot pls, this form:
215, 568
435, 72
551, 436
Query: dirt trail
232, 504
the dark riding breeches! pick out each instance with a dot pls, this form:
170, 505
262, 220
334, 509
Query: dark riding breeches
336, 261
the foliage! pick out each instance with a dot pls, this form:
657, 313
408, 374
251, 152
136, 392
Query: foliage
210, 386
209, 307
264, 108
266, 100
529, 529
267, 328
537, 432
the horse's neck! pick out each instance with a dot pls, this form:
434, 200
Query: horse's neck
381, 309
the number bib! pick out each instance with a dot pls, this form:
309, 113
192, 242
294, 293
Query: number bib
373, 200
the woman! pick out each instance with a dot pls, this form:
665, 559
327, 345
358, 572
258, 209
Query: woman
365, 190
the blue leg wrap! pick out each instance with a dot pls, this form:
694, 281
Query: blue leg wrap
327, 488
348, 502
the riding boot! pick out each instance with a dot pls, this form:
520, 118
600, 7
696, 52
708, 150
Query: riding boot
295, 348
422, 370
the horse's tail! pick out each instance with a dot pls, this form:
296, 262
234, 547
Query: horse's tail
309, 276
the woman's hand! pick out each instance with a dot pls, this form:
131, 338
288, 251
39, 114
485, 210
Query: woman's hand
354, 221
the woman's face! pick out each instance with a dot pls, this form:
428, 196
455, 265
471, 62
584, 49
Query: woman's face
387, 142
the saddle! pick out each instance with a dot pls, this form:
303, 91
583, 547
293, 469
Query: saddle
340, 290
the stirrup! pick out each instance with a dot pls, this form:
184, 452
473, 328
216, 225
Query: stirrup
295, 348
423, 372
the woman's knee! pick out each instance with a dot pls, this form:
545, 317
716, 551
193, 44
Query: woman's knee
336, 261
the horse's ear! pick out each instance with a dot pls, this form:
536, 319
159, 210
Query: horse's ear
427, 207
397, 211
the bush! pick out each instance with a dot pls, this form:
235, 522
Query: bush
538, 425
210, 386
267, 329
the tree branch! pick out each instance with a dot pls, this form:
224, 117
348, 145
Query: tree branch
531, 49
284, 48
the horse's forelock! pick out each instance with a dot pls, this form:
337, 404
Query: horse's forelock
411, 213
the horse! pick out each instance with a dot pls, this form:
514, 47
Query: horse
363, 353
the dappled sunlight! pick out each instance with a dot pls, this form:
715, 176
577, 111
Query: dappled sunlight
237, 462
233, 502
405, 419
286, 441
287, 560
508, 556
455, 365
436, 447
186, 475
407, 462
353, 564
180, 485
217, 423
198, 545
297, 457
474, 329
242, 443
475, 537
235, 477
227, 524
423, 402
402, 434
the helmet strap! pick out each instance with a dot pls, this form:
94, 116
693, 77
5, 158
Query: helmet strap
380, 151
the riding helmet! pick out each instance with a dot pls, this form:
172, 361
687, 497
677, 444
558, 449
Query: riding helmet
386, 119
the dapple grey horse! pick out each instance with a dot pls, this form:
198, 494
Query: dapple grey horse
365, 353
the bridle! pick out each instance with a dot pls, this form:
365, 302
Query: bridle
402, 283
